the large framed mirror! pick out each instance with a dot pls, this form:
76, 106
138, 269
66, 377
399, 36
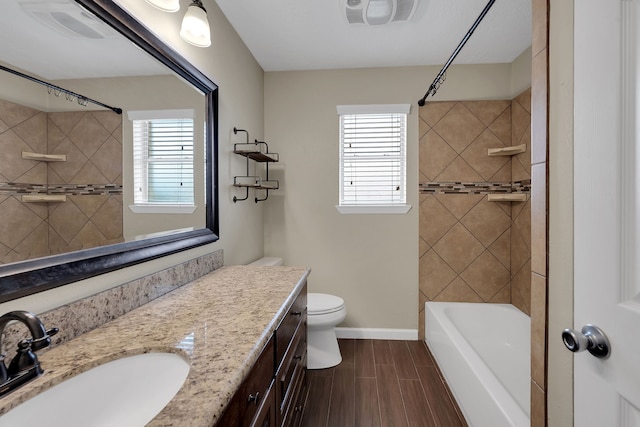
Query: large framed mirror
95, 223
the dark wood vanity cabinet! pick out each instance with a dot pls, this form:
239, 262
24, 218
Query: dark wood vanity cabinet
275, 391
291, 362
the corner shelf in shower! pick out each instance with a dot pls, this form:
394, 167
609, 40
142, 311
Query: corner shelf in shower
40, 157
259, 153
44, 198
507, 197
507, 151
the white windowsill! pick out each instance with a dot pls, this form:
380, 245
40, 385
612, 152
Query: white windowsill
163, 209
374, 209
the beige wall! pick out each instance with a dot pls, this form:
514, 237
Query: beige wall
230, 65
560, 294
521, 72
369, 260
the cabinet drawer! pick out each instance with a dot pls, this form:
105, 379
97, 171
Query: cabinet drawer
254, 390
266, 415
291, 374
251, 394
296, 411
289, 324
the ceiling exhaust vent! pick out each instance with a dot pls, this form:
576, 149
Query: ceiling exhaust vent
378, 12
68, 19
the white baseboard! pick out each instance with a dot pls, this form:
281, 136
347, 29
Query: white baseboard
378, 334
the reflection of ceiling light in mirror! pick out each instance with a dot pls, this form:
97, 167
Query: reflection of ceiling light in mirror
195, 26
165, 5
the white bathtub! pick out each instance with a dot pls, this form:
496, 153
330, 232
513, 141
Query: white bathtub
483, 351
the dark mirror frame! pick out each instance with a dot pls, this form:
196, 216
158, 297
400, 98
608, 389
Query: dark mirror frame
29, 277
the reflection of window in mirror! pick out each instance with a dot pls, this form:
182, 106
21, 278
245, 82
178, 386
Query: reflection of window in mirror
163, 161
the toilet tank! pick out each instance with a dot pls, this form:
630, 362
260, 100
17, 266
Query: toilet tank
267, 261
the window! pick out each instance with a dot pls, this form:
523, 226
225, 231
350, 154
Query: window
163, 157
373, 141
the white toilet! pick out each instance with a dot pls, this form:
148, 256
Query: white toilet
324, 313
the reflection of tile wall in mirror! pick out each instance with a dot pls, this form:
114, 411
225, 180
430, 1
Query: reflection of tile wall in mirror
91, 177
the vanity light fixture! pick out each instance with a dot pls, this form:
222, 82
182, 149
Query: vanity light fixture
165, 5
195, 26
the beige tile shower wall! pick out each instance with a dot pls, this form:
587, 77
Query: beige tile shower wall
92, 142
467, 250
23, 228
521, 212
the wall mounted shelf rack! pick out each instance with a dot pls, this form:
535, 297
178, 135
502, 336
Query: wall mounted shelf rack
258, 151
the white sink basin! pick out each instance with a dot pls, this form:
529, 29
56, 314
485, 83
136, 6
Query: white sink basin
125, 392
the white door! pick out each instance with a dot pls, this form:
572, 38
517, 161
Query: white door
606, 215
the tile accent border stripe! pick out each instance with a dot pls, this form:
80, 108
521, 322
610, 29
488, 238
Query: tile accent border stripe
13, 188
523, 186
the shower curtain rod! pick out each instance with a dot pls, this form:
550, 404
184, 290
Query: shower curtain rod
440, 77
81, 99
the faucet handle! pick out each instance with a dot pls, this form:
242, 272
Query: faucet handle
45, 341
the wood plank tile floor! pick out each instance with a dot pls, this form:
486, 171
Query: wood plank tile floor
381, 384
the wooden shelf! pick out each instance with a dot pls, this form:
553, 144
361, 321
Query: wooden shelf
269, 185
247, 181
253, 152
507, 151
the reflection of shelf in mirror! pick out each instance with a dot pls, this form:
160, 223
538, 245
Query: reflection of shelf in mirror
246, 181
509, 197
44, 157
44, 198
507, 151
269, 185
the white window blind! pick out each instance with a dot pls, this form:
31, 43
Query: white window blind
373, 141
163, 157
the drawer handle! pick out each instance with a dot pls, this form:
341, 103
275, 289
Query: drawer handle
296, 313
255, 398
297, 357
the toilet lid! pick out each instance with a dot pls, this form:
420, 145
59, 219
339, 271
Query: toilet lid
323, 303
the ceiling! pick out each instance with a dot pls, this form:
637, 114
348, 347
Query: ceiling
309, 35
37, 45
283, 35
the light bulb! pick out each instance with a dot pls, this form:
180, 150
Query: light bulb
195, 26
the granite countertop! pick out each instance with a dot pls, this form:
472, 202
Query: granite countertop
219, 323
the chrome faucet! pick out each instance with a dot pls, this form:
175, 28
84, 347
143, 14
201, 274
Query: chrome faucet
24, 366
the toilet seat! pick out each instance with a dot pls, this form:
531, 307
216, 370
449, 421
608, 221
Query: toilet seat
319, 304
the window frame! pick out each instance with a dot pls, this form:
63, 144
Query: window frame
382, 208
153, 207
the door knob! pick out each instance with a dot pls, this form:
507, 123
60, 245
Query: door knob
591, 338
